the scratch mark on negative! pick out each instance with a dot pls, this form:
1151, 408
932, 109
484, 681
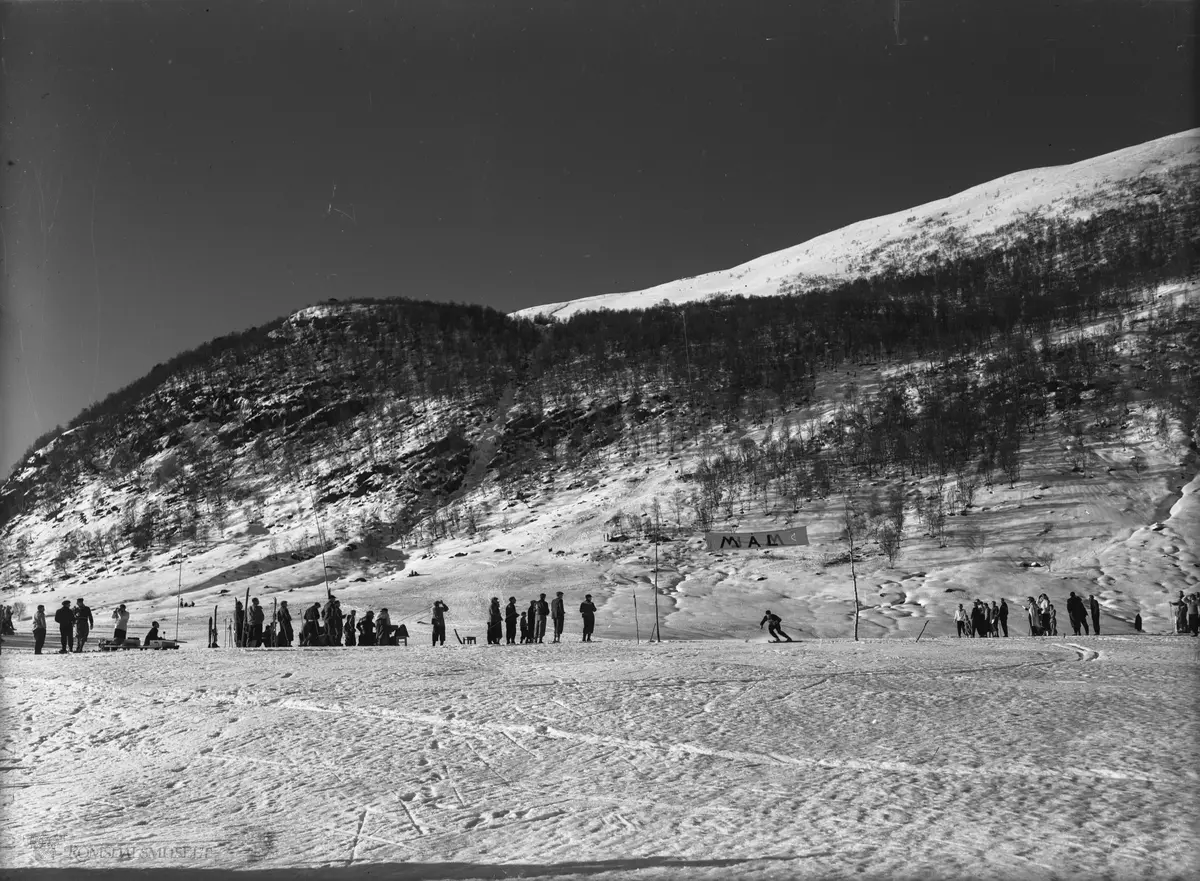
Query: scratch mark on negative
486, 763
513, 741
412, 817
453, 785
362, 819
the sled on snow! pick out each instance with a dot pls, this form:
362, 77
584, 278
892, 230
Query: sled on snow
114, 645
162, 644
464, 640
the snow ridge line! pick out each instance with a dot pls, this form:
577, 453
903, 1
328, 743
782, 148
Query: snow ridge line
695, 749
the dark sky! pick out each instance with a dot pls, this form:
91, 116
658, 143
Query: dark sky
170, 167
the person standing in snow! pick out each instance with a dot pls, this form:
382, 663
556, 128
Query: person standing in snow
383, 628
776, 628
366, 629
310, 627
510, 621
1075, 612
1094, 607
239, 623
531, 620
439, 622
978, 624
285, 624
83, 624
1053, 621
1193, 609
543, 612
558, 614
960, 620
994, 617
256, 624
39, 629
1044, 613
1035, 616
349, 628
1003, 616
65, 619
588, 610
494, 619
121, 616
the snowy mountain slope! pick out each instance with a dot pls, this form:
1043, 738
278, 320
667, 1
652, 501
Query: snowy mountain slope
974, 218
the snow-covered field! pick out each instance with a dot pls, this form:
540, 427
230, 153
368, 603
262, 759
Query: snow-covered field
1018, 758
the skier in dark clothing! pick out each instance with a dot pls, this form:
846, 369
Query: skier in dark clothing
1095, 609
588, 610
543, 611
39, 629
494, 622
65, 619
1004, 616
558, 614
439, 622
776, 628
83, 624
1076, 612
510, 621
256, 624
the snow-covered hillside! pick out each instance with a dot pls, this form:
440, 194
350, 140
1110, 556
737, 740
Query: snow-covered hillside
971, 219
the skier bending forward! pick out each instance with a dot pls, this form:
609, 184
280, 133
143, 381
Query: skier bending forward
776, 628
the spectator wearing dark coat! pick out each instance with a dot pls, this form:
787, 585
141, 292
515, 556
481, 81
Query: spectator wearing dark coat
39, 629
558, 614
1076, 613
256, 623
1095, 609
588, 610
510, 621
1003, 616
65, 619
366, 629
543, 612
495, 622
83, 624
285, 624
438, 616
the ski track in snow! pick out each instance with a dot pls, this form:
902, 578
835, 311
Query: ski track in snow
1017, 757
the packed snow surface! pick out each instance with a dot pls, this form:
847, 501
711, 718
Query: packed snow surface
904, 237
1065, 757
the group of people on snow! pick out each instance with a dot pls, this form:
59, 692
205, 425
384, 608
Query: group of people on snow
1187, 613
75, 624
983, 620
530, 624
321, 625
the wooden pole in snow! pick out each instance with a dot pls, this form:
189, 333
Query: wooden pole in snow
178, 597
321, 535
